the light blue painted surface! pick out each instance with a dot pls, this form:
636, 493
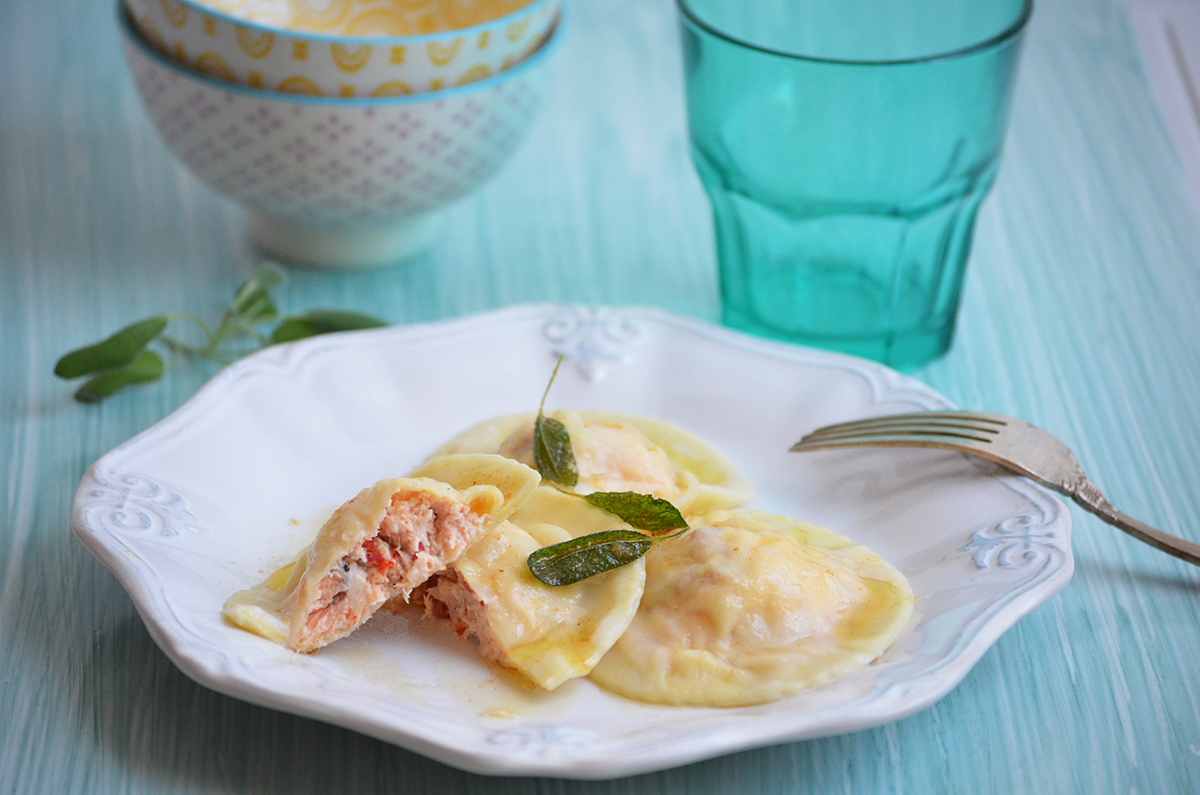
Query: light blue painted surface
1080, 314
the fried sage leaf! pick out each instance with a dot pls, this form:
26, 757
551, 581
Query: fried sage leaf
119, 350
552, 451
148, 366
571, 561
644, 512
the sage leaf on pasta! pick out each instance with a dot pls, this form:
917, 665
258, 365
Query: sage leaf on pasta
552, 452
571, 561
643, 511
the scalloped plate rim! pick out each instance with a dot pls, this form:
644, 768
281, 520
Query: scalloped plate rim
727, 735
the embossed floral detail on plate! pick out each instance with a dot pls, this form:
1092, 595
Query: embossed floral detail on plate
544, 739
1023, 540
128, 503
593, 337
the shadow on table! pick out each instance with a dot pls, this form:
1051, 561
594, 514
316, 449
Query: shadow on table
1149, 577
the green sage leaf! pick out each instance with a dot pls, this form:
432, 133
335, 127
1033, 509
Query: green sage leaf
119, 350
644, 512
251, 300
148, 366
552, 451
322, 321
260, 308
571, 561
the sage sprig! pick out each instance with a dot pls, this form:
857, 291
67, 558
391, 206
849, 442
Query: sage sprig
577, 559
126, 358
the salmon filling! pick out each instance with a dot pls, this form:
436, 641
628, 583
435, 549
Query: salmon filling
451, 600
420, 534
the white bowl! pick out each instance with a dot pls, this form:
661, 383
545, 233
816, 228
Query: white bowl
338, 182
335, 63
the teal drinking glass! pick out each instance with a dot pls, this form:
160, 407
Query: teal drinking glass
846, 146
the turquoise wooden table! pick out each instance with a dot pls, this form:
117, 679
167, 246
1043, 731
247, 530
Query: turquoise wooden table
1080, 315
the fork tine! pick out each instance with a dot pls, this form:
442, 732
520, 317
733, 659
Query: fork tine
962, 419
906, 429
925, 429
890, 439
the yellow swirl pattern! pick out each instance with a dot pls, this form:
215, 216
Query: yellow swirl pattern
513, 31
299, 50
382, 22
456, 15
366, 17
350, 59
175, 12
210, 25
256, 44
332, 17
478, 72
213, 65
275, 13
397, 55
392, 88
442, 54
298, 84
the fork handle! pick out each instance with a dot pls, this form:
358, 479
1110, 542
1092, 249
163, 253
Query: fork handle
1089, 497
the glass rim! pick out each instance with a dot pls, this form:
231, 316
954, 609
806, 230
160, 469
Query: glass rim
1010, 32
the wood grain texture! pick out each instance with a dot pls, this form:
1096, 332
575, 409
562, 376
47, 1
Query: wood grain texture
1079, 315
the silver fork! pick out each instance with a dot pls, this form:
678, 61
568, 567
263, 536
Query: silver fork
1012, 443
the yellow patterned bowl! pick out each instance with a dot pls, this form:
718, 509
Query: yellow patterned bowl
335, 63
334, 182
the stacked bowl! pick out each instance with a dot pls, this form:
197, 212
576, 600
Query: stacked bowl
343, 126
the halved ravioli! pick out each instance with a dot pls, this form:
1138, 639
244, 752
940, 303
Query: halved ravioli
380, 545
617, 452
751, 607
548, 634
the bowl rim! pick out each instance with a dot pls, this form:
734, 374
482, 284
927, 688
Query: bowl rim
422, 38
548, 44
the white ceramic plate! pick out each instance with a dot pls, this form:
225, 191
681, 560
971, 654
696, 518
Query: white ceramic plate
237, 480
